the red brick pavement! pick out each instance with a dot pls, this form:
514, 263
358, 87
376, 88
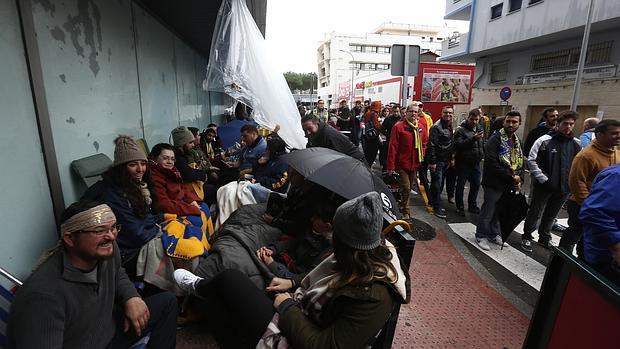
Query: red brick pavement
452, 307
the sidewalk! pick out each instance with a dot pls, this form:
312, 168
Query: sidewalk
452, 307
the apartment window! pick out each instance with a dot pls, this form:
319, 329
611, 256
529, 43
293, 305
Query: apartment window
355, 48
598, 53
532, 2
439, 39
383, 66
384, 49
370, 49
499, 72
359, 66
496, 11
514, 5
369, 66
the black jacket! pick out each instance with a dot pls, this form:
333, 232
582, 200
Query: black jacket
469, 151
532, 136
551, 160
496, 174
440, 143
188, 173
329, 137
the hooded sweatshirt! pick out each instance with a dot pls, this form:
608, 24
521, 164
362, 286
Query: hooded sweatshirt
586, 165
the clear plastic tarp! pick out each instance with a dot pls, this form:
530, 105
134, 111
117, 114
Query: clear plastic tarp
241, 66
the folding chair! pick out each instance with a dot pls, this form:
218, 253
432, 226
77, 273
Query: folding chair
8, 284
90, 168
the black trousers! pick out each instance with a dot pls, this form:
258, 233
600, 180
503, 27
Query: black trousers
572, 235
371, 148
162, 324
237, 311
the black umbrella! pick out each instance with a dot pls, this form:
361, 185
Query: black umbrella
340, 173
511, 210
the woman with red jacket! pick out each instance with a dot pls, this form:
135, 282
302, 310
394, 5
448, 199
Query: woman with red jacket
173, 198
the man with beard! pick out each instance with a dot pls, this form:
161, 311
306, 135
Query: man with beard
344, 117
320, 111
320, 134
469, 150
502, 171
602, 153
80, 297
440, 156
548, 121
549, 162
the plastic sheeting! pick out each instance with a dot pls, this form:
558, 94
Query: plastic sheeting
241, 66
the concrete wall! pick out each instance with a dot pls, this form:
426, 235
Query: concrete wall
26, 204
108, 68
544, 18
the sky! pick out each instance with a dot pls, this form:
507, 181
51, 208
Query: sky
295, 28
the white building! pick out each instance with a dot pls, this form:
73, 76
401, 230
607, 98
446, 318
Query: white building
369, 53
533, 47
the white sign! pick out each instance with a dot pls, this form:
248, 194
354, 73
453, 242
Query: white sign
606, 71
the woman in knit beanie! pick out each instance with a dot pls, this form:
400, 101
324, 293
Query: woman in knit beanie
127, 188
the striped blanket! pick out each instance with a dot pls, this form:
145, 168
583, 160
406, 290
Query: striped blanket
187, 237
7, 289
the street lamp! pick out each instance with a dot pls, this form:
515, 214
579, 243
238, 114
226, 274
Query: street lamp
352, 83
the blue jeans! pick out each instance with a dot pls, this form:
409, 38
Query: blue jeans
260, 193
488, 224
471, 174
437, 178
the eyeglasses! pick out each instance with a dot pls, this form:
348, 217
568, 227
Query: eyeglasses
102, 231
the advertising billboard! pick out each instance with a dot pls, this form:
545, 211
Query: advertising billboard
446, 85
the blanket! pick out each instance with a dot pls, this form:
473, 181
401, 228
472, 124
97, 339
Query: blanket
243, 233
230, 197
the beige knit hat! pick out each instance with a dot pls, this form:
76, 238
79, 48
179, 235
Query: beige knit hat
127, 150
181, 136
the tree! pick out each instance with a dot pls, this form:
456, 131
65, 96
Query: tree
300, 81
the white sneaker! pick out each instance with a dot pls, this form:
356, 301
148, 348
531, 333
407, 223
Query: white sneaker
483, 244
186, 280
498, 241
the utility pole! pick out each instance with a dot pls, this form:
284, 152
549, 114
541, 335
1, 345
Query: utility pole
582, 57
352, 83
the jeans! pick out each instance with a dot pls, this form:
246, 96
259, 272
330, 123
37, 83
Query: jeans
572, 235
450, 179
437, 178
488, 224
423, 176
547, 204
471, 174
162, 324
260, 193
406, 181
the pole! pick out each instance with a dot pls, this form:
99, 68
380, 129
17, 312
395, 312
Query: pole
582, 57
405, 89
352, 73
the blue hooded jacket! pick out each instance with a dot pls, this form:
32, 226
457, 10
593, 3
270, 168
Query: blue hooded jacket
600, 214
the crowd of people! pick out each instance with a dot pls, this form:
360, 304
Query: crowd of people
146, 231
138, 241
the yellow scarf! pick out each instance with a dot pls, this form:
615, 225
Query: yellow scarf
417, 142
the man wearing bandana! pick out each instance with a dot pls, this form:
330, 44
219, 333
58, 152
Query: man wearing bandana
80, 297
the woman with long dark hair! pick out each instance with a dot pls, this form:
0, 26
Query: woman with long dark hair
127, 188
342, 303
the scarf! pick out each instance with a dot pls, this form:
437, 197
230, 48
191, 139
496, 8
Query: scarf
209, 150
510, 152
146, 194
417, 142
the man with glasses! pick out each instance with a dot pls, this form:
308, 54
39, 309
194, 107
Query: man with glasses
321, 112
440, 157
405, 152
80, 297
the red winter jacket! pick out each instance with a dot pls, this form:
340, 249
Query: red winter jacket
171, 194
401, 152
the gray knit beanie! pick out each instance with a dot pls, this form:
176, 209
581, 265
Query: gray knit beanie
127, 150
359, 221
181, 136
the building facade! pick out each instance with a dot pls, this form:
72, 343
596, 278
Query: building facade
340, 56
533, 47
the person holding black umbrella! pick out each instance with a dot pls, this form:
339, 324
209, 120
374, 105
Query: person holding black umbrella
502, 171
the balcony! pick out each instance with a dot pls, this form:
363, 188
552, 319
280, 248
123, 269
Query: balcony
458, 9
454, 46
